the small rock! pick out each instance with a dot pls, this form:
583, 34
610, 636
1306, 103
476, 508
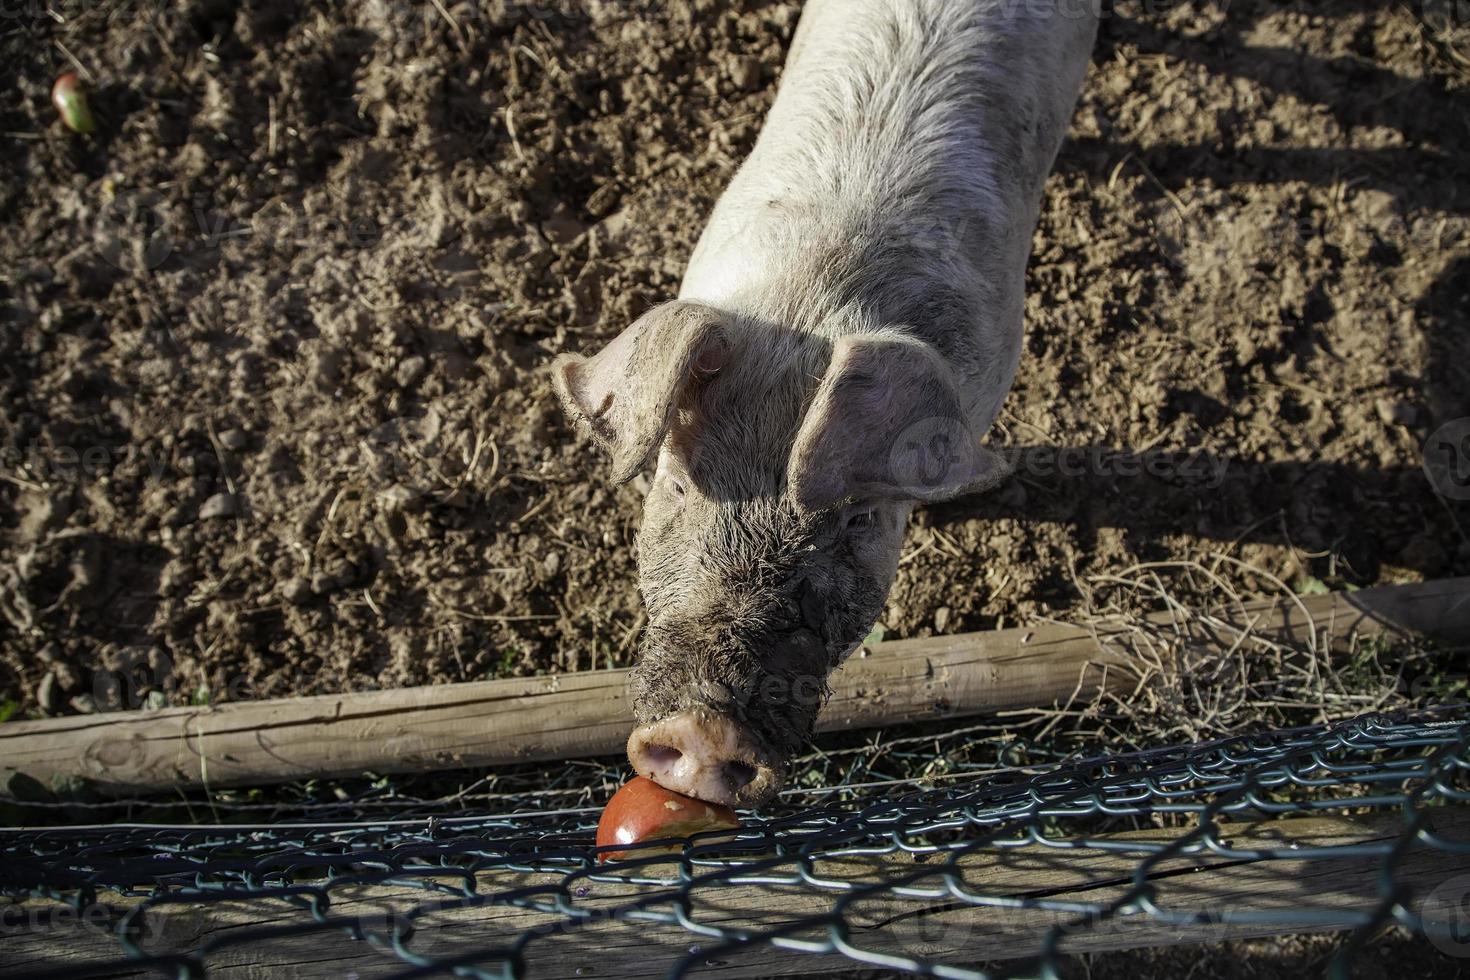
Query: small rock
160, 666
220, 505
246, 371
296, 590
615, 226
173, 578
325, 581
410, 370
67, 676
601, 202
48, 695
397, 498
562, 228
83, 704
40, 514
327, 367
745, 73
1396, 412
233, 439
941, 618
783, 15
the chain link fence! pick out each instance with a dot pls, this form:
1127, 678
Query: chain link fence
988, 863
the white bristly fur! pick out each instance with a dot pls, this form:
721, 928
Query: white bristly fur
896, 180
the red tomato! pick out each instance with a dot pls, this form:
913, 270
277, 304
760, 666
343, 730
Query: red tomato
643, 810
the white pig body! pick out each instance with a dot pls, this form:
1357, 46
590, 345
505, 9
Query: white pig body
899, 172
847, 329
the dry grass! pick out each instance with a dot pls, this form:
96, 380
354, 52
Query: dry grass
1191, 694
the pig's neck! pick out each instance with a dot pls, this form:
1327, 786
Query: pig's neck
897, 179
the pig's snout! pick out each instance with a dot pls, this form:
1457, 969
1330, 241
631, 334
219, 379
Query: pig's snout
705, 754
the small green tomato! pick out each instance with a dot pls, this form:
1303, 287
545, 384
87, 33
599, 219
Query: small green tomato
70, 98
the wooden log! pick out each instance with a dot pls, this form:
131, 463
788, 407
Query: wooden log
582, 714
1211, 897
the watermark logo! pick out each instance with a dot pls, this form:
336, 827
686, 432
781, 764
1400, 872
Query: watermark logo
1189, 241
1446, 915
942, 455
927, 929
401, 453
61, 922
1447, 459
132, 232
281, 227
138, 678
41, 464
1446, 16
933, 454
138, 230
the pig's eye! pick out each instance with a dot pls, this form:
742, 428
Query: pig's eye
861, 520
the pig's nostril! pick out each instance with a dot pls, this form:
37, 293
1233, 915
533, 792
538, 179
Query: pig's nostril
739, 774
663, 755
705, 754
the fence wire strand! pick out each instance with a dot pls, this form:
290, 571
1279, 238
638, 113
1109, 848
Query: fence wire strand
1015, 866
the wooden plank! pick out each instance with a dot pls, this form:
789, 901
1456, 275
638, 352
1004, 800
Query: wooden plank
581, 714
1302, 895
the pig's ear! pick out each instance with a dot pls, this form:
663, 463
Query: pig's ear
887, 421
628, 392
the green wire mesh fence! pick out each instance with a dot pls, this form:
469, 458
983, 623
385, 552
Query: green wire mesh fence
977, 869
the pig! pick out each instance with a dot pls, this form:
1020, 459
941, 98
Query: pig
846, 330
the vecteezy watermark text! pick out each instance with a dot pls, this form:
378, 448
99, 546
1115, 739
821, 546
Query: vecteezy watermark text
139, 230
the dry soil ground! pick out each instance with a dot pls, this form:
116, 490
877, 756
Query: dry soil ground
275, 413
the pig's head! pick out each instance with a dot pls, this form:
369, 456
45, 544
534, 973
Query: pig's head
785, 466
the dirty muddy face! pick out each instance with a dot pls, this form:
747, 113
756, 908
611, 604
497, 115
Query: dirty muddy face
752, 603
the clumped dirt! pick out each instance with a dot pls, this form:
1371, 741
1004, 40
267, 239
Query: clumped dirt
275, 412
